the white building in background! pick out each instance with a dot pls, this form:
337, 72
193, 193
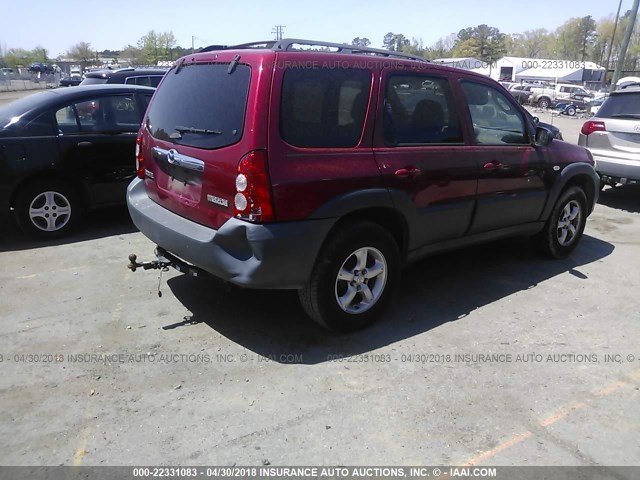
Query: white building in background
519, 69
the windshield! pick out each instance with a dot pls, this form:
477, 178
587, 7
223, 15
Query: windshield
10, 113
200, 99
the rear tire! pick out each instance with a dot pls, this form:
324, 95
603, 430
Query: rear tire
543, 102
353, 279
48, 209
563, 230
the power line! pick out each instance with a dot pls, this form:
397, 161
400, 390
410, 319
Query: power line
278, 30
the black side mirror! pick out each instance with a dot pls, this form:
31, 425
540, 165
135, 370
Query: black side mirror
536, 120
543, 137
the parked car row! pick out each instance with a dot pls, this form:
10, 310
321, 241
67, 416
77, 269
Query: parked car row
149, 77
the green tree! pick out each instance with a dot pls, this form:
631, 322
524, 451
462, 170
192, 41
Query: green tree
416, 47
157, 46
389, 41
443, 47
575, 37
531, 43
361, 42
20, 57
483, 42
133, 55
586, 34
82, 53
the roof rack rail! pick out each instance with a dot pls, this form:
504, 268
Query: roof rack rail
212, 48
286, 44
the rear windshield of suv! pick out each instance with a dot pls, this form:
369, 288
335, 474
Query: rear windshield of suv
621, 105
201, 105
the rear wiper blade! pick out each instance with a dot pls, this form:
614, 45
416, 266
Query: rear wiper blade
197, 130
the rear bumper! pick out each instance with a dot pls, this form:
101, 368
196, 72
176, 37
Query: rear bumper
278, 256
617, 167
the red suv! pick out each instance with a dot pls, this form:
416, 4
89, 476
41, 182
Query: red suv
272, 165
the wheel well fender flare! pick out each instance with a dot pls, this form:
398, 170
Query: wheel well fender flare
579, 174
392, 209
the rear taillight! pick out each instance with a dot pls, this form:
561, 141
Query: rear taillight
253, 189
139, 158
589, 127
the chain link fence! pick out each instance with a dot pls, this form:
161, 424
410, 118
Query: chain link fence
25, 80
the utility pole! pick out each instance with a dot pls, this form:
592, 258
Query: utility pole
193, 39
613, 37
625, 44
278, 30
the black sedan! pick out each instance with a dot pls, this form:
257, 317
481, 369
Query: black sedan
72, 81
66, 151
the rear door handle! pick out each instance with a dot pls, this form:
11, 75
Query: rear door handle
85, 144
492, 165
407, 172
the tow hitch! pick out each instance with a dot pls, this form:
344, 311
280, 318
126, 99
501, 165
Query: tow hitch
163, 262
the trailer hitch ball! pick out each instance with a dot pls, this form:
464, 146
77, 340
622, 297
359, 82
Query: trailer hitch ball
133, 264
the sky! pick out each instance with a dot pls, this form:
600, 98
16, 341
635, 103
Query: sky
112, 24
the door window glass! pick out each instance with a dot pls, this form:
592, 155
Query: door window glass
496, 121
90, 115
122, 113
420, 110
67, 120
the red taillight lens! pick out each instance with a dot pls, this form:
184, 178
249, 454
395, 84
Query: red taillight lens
139, 158
253, 198
589, 127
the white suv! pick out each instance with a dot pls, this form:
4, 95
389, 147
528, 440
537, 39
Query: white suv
613, 137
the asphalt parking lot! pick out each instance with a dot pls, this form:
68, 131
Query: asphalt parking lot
490, 356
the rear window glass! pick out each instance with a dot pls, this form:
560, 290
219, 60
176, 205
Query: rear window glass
622, 105
324, 108
204, 98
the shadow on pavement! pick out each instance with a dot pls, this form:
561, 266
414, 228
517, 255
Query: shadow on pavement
625, 197
432, 292
104, 222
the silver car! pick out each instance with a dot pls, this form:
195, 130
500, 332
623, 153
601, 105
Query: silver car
613, 137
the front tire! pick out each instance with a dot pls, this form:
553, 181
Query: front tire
565, 225
353, 279
543, 102
48, 209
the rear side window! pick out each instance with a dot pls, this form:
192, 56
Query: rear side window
93, 81
420, 110
625, 105
205, 99
324, 108
146, 81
